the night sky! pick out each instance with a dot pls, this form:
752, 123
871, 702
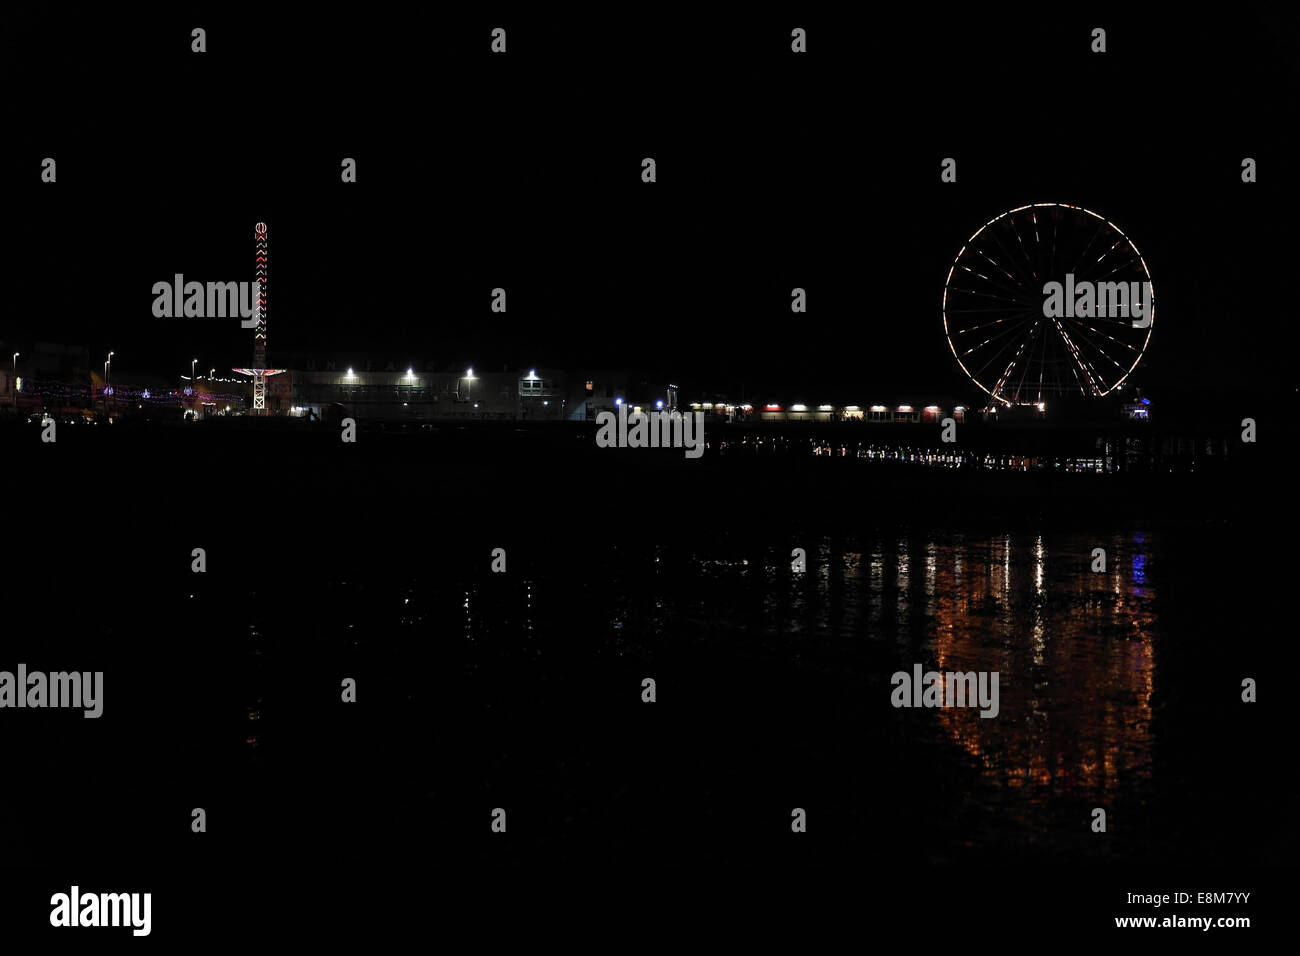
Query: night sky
523, 171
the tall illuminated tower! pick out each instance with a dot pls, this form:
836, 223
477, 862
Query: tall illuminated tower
259, 371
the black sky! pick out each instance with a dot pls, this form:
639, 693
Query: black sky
522, 171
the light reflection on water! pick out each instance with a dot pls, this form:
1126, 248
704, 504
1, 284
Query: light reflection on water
1117, 688
729, 620
1073, 648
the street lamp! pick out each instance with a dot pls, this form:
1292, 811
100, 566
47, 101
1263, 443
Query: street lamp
13, 386
469, 387
193, 362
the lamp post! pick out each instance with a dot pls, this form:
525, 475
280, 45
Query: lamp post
13, 385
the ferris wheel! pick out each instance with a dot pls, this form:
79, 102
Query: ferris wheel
999, 329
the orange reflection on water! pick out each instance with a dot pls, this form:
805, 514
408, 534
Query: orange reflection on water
1073, 651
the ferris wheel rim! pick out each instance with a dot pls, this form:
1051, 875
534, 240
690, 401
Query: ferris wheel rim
1105, 221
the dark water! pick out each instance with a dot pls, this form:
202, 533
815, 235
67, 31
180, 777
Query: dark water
775, 687
1118, 690
522, 691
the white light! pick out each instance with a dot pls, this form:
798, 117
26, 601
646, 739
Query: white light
824, 408
1042, 406
350, 371
469, 372
618, 401
879, 408
410, 373
658, 404
798, 408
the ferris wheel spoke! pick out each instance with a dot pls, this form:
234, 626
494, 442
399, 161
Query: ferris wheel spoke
987, 295
1006, 372
1009, 257
1015, 293
1009, 330
994, 357
1116, 321
1129, 261
1062, 386
1077, 381
975, 311
1094, 377
1083, 388
1131, 348
1087, 269
1098, 381
1101, 225
992, 338
1044, 364
1100, 350
1023, 251
1038, 242
1035, 335
999, 267
1104, 354
1076, 355
985, 325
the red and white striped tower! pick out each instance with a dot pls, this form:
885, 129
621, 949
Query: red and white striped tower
259, 371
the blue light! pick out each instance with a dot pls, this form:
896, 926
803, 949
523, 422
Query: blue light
618, 401
659, 404
1146, 401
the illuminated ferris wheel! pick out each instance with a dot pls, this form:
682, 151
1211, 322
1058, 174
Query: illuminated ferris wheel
1022, 351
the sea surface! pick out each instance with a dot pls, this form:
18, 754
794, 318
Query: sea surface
521, 690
